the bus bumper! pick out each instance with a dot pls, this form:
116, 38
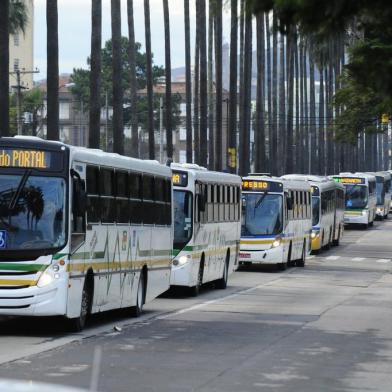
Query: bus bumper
35, 301
184, 271
267, 256
361, 218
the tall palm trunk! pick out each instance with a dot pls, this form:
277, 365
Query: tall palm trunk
150, 103
305, 110
168, 107
95, 74
246, 98
301, 138
196, 89
4, 68
329, 115
188, 83
232, 115
241, 85
271, 155
312, 116
133, 81
292, 36
203, 83
52, 70
218, 81
260, 94
321, 146
274, 94
297, 111
210, 65
281, 134
118, 124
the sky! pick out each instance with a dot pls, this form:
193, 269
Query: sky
75, 30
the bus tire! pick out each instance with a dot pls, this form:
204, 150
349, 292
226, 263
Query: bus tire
77, 324
195, 290
301, 261
137, 310
282, 266
222, 282
337, 241
289, 261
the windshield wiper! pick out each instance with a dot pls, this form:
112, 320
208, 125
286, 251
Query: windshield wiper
16, 196
262, 197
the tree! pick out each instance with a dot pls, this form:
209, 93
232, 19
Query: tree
95, 74
149, 77
132, 51
210, 66
274, 141
260, 96
168, 93
33, 102
232, 143
52, 70
196, 120
18, 17
218, 81
271, 155
4, 68
203, 83
118, 123
188, 82
281, 130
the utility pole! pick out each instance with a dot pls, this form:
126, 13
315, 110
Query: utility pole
18, 87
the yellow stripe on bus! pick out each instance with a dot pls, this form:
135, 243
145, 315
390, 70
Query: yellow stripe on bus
17, 282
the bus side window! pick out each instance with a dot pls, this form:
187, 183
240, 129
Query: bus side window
108, 202
79, 201
92, 181
135, 203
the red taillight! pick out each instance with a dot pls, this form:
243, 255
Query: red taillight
245, 255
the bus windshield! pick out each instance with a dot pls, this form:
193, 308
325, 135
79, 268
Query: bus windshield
32, 212
380, 190
182, 218
262, 214
315, 210
356, 196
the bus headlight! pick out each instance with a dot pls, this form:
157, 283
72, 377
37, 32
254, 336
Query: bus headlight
181, 260
277, 242
364, 212
380, 210
49, 276
314, 234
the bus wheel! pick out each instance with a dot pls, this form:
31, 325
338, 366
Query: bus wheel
77, 324
137, 310
282, 266
195, 290
222, 283
301, 261
289, 261
337, 241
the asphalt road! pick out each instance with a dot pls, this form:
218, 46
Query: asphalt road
326, 327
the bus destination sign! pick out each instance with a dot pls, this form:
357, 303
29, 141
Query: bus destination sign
260, 186
28, 159
350, 180
180, 178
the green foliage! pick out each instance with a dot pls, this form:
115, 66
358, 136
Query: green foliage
367, 83
18, 18
81, 80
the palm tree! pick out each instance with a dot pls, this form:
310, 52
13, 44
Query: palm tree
232, 143
274, 162
210, 64
118, 124
168, 108
321, 136
188, 78
271, 154
312, 116
18, 17
260, 126
281, 131
246, 96
196, 84
241, 76
218, 81
132, 81
4, 68
95, 74
305, 109
297, 111
150, 103
203, 82
52, 70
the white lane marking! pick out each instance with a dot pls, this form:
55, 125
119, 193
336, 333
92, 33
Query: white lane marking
358, 259
384, 261
332, 258
213, 301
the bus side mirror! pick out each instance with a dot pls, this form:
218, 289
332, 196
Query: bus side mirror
289, 202
201, 202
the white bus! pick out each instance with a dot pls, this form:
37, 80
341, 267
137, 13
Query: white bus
383, 191
360, 198
327, 210
81, 231
276, 221
206, 226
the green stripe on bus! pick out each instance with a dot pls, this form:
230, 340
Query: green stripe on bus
22, 267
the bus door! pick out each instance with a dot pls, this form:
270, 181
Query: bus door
78, 205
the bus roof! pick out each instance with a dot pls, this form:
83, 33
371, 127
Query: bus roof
367, 176
89, 155
384, 174
288, 184
197, 172
322, 182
